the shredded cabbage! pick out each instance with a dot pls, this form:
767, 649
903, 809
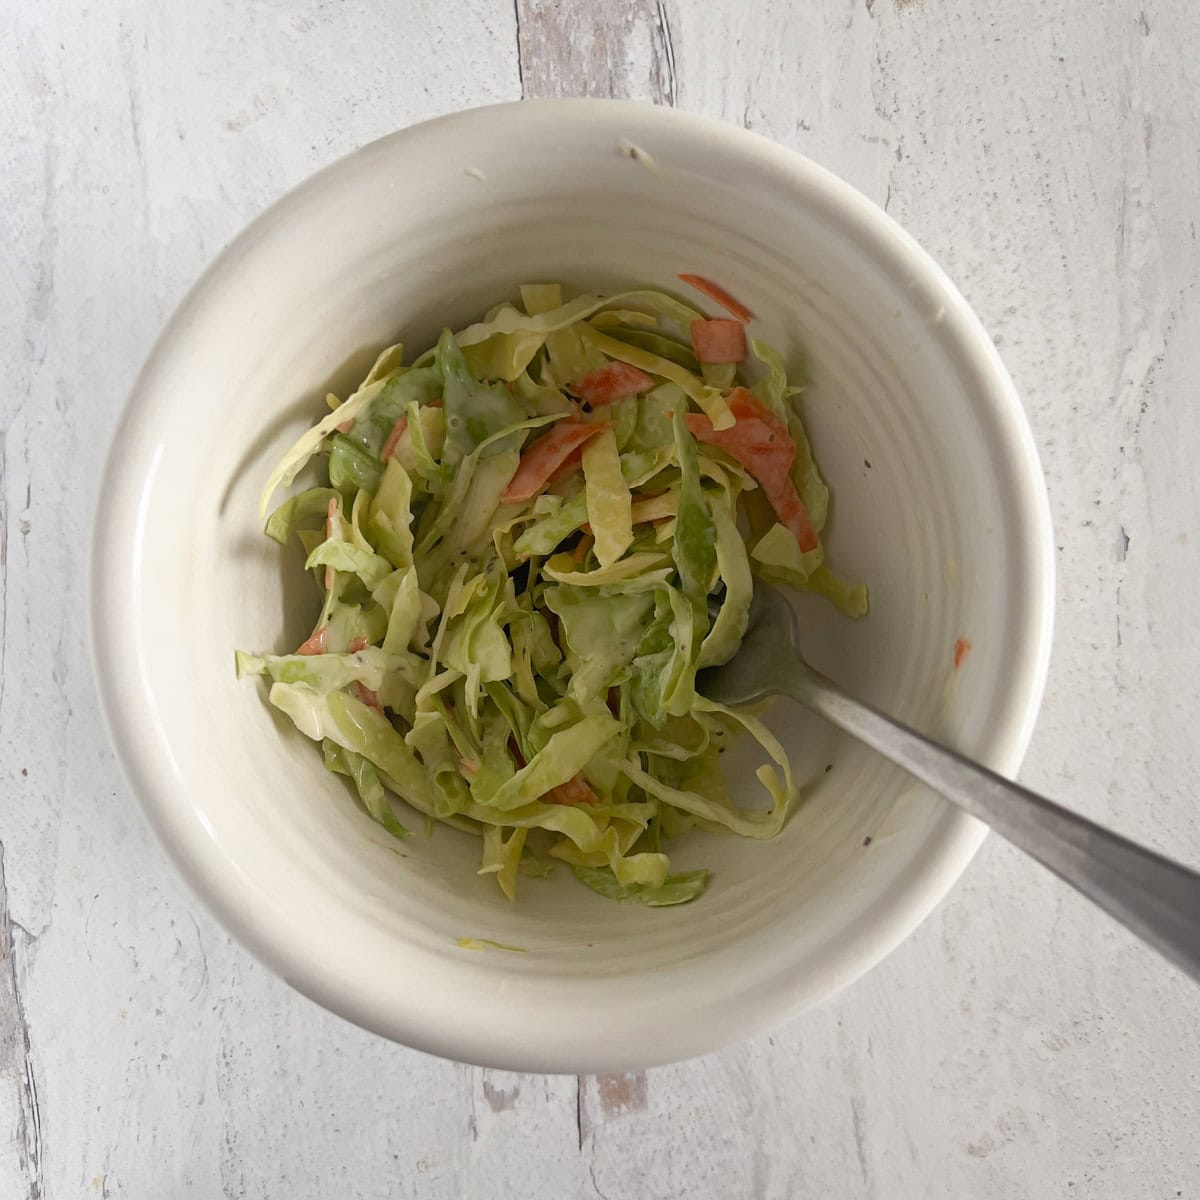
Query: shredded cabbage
525, 669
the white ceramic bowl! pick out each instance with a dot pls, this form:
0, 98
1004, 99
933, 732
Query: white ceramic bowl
948, 523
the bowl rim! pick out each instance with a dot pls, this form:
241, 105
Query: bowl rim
954, 839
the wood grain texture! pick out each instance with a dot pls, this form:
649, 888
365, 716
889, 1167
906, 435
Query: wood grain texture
584, 48
1046, 152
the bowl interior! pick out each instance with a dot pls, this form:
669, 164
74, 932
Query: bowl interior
937, 504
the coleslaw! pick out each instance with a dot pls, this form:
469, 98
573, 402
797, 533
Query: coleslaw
515, 551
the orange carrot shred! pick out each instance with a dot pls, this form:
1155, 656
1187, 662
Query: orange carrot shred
719, 341
315, 644
330, 513
761, 443
575, 791
716, 293
393, 438
543, 457
612, 382
582, 547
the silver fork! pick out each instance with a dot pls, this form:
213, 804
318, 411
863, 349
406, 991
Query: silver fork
1157, 899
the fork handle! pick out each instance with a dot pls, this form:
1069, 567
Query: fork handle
1157, 899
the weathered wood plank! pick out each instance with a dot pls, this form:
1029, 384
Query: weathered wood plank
1018, 1045
20, 1115
583, 48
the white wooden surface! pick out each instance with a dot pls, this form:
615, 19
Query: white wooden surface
1048, 153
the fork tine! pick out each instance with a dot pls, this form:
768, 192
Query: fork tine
768, 648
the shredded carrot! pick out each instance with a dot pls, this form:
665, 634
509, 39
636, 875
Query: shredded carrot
315, 644
715, 292
582, 547
368, 697
612, 382
544, 457
359, 643
962, 647
393, 438
575, 791
761, 443
330, 513
719, 341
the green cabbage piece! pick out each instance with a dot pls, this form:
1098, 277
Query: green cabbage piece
603, 630
643, 570
546, 534
778, 552
367, 784
773, 388
304, 506
322, 672
609, 504
354, 726
371, 568
655, 343
849, 599
694, 546
474, 410
295, 460
502, 856
733, 567
352, 467
675, 889
565, 754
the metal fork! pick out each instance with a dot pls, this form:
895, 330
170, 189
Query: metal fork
1159, 900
